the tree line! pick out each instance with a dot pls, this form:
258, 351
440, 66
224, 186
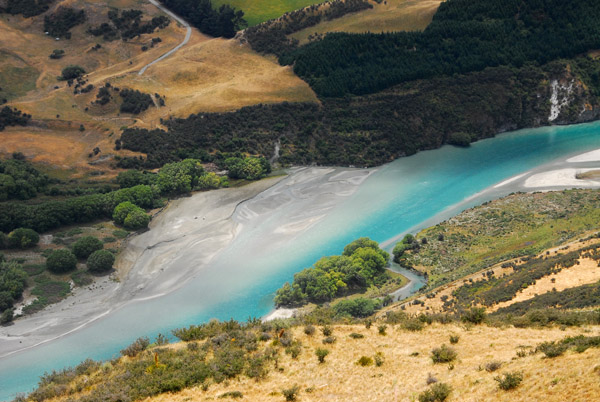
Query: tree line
13, 117
373, 129
127, 24
27, 8
224, 21
59, 23
464, 36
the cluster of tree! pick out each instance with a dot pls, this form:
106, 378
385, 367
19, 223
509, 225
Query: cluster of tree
271, 36
359, 308
71, 73
56, 213
62, 261
28, 8
13, 281
464, 36
12, 117
366, 130
21, 238
362, 264
407, 243
247, 168
62, 20
224, 21
128, 24
130, 216
103, 96
20, 180
134, 101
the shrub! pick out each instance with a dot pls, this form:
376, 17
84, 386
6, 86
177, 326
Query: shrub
309, 330
438, 392
122, 210
139, 345
382, 328
365, 361
413, 325
321, 354
354, 335
291, 394
100, 261
509, 380
61, 261
454, 339
86, 245
329, 340
443, 354
22, 238
379, 360
493, 366
476, 315
294, 350
552, 349
327, 330
7, 316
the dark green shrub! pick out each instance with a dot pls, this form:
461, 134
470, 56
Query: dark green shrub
136, 220
329, 340
413, 325
86, 245
354, 335
365, 361
327, 330
22, 238
379, 360
454, 339
509, 380
443, 354
7, 316
72, 72
291, 394
438, 392
139, 345
100, 261
475, 315
382, 328
321, 354
61, 261
552, 349
294, 350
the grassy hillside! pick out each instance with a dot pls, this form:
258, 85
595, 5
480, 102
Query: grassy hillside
257, 11
388, 16
403, 372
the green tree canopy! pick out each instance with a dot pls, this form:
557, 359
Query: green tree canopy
101, 261
23, 238
86, 245
61, 261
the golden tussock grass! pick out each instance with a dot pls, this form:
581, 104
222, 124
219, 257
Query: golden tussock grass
396, 15
407, 364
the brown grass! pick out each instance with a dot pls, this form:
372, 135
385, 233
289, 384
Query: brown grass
396, 15
402, 377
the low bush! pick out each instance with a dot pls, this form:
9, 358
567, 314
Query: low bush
354, 335
291, 394
509, 381
138, 346
492, 366
438, 392
22, 238
365, 361
454, 339
443, 354
309, 330
321, 354
552, 349
231, 394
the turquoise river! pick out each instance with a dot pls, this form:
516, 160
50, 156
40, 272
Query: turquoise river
399, 197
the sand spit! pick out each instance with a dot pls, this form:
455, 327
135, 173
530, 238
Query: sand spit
184, 238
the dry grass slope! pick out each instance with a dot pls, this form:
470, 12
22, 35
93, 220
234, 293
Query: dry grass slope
389, 16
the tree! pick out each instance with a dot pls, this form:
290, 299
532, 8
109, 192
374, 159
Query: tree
23, 238
179, 177
72, 72
7, 316
137, 219
61, 261
86, 245
122, 210
101, 261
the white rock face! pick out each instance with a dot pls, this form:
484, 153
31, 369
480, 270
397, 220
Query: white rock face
561, 95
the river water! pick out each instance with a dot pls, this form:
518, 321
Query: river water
402, 196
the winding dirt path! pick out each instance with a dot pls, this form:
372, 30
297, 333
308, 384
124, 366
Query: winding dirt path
188, 34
